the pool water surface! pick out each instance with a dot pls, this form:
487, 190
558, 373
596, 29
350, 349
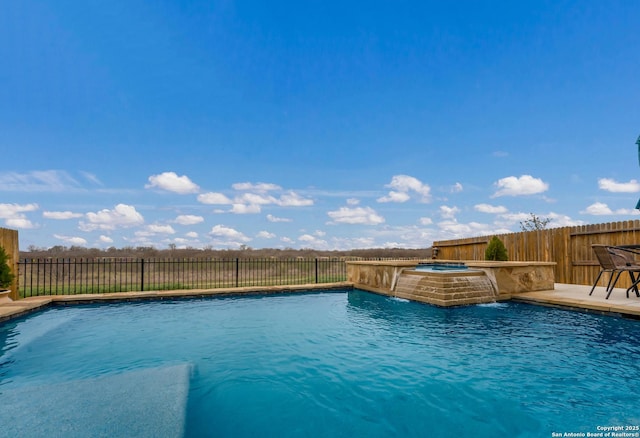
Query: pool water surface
346, 363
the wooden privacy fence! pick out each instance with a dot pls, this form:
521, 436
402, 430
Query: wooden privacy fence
569, 247
9, 241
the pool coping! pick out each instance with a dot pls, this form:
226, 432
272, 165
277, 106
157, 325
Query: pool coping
566, 296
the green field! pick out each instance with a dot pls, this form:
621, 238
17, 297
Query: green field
86, 276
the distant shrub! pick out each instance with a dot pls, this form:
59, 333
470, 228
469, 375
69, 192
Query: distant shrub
496, 250
6, 277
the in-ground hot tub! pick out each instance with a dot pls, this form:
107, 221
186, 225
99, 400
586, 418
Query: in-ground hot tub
451, 283
430, 267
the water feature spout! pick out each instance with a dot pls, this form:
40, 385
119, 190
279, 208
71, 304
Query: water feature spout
445, 287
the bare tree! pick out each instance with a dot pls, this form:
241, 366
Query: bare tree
534, 223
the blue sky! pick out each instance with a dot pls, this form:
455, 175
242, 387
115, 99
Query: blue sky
314, 124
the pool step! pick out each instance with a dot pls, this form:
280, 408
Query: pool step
149, 402
28, 331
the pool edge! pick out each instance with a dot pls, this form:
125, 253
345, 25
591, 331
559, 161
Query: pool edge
17, 309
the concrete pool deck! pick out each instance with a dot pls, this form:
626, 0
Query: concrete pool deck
569, 296
576, 297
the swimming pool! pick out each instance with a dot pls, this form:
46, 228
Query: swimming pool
329, 364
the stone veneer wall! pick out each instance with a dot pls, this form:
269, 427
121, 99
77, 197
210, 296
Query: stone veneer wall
507, 278
376, 276
515, 277
446, 288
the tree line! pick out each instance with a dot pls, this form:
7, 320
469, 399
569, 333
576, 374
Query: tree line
243, 252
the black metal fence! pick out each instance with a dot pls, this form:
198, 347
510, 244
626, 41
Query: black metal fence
64, 276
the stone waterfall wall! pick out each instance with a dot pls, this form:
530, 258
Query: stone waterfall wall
446, 288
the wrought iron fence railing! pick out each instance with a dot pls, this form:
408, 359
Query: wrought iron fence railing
65, 276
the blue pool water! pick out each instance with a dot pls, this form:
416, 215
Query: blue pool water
431, 267
324, 364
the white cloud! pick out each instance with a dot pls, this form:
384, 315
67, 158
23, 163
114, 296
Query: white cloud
228, 233
492, 209
610, 185
180, 241
249, 203
455, 229
37, 181
214, 198
259, 187
77, 241
601, 209
411, 236
597, 209
171, 182
92, 178
395, 197
192, 235
286, 240
141, 238
425, 221
14, 216
19, 222
188, 219
514, 218
245, 209
456, 188
61, 215
448, 212
517, 186
272, 218
252, 198
122, 216
106, 239
347, 243
292, 199
313, 242
356, 215
160, 229
144, 234
402, 186
406, 183
557, 220
8, 211
265, 235
561, 220
353, 201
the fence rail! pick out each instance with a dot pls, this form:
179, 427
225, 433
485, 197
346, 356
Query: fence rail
58, 276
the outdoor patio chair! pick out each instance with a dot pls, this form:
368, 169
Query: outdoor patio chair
616, 260
606, 265
629, 252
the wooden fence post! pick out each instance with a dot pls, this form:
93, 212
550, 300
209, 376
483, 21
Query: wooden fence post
9, 241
